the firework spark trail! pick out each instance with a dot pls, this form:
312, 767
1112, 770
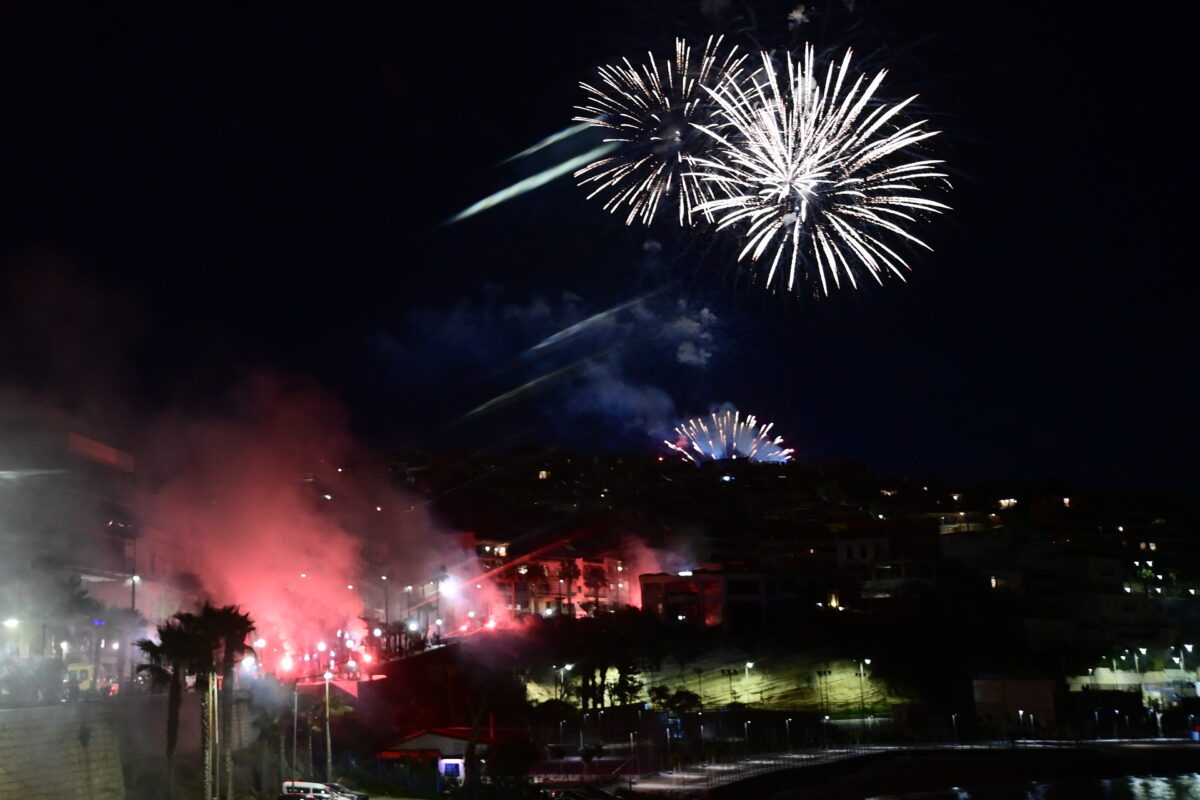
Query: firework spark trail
653, 111
594, 319
810, 170
532, 182
728, 435
553, 138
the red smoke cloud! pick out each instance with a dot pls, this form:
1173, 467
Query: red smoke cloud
240, 495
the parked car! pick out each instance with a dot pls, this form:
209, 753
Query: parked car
320, 791
309, 790
349, 794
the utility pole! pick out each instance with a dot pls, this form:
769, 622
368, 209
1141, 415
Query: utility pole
328, 738
295, 723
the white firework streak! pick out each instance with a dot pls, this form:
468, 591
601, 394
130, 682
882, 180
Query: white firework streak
652, 110
727, 435
805, 166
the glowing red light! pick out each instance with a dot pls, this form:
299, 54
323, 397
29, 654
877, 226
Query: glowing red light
285, 663
366, 658
463, 627
491, 624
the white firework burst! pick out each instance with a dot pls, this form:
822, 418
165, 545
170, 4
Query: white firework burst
810, 171
654, 109
728, 435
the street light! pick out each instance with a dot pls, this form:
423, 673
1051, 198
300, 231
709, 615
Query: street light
387, 606
560, 673
328, 736
787, 727
729, 673
632, 758
862, 703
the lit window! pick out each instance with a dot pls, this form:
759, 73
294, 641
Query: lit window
543, 474
1066, 502
1153, 546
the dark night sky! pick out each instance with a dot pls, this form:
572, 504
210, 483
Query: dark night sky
193, 196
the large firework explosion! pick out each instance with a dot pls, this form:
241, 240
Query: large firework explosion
728, 435
654, 111
807, 169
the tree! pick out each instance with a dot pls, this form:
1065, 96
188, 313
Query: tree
202, 663
320, 723
595, 578
168, 660
535, 574
659, 696
682, 701
569, 572
627, 687
230, 627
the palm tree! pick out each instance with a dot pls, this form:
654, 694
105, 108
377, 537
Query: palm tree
203, 644
167, 662
535, 574
569, 572
595, 578
229, 626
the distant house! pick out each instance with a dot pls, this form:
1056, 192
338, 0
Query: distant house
444, 746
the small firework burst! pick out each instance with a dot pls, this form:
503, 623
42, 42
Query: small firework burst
653, 110
728, 435
810, 172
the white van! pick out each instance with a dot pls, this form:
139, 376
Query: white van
307, 789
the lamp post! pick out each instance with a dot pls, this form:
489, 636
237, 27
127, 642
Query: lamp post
729, 673
862, 700
746, 729
295, 722
822, 677
387, 606
632, 761
560, 673
787, 727
328, 736
954, 726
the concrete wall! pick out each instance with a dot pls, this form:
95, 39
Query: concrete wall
91, 750
65, 752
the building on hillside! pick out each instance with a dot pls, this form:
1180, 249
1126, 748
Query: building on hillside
441, 748
717, 599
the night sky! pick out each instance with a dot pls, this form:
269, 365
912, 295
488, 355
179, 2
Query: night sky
192, 197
